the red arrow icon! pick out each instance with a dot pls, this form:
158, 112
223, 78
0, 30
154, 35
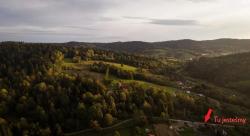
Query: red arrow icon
208, 115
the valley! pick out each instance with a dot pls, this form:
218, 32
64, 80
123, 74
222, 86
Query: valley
75, 90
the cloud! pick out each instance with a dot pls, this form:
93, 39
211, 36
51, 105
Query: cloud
202, 0
53, 17
167, 22
39, 31
52, 12
179, 22
80, 27
83, 20
139, 18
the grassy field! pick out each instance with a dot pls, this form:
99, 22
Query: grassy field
118, 65
147, 85
83, 67
69, 63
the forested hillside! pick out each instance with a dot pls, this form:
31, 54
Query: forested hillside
55, 89
231, 71
180, 49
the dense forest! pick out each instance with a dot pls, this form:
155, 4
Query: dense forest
39, 98
229, 71
44, 89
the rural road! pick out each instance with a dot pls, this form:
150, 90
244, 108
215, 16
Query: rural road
187, 122
199, 123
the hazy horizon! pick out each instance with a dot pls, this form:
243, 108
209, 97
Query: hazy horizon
123, 41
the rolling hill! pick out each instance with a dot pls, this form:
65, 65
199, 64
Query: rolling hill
66, 88
231, 71
181, 49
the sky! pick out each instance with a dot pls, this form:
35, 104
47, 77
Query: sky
123, 20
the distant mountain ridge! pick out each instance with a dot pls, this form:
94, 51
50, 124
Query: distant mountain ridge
185, 49
181, 49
